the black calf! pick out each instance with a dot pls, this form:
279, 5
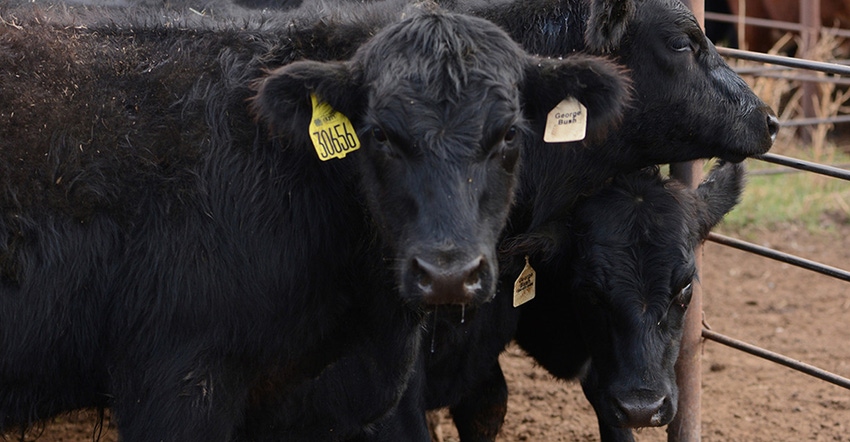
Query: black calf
611, 304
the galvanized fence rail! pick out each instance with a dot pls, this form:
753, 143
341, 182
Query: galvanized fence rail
687, 426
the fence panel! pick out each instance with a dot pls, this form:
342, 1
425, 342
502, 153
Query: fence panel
686, 426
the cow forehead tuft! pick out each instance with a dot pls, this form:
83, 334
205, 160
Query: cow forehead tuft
437, 47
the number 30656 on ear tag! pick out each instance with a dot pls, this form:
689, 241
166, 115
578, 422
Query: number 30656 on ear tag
524, 285
332, 133
566, 122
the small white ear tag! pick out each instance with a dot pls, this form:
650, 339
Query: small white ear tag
566, 122
524, 285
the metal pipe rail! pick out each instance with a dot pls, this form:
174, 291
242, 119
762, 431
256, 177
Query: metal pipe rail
815, 121
807, 166
829, 68
787, 258
785, 170
842, 81
777, 358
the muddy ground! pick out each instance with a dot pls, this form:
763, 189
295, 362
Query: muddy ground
792, 311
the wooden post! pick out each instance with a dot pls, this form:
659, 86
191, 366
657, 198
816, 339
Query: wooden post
686, 427
742, 30
810, 18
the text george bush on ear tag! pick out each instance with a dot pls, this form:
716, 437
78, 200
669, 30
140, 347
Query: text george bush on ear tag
566, 122
332, 133
524, 285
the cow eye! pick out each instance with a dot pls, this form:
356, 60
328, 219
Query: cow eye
681, 44
379, 135
510, 135
683, 298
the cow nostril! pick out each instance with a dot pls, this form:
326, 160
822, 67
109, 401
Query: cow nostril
423, 277
424, 281
641, 412
657, 418
472, 280
772, 126
473, 271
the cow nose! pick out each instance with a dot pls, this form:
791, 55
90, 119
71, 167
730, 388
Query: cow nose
772, 126
642, 412
449, 285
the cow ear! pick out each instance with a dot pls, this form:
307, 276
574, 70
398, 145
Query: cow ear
599, 84
607, 24
283, 96
718, 194
543, 243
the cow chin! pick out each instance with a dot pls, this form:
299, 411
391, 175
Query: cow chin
733, 157
431, 280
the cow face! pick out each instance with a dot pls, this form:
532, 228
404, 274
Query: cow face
437, 101
635, 273
688, 102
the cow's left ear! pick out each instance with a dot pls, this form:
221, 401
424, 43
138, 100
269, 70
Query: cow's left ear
283, 96
602, 86
543, 243
718, 194
607, 23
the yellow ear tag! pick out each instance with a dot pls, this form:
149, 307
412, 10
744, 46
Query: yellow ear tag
332, 133
524, 285
566, 122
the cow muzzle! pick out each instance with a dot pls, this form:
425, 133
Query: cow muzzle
464, 282
644, 409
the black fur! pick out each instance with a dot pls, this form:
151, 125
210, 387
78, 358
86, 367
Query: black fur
607, 23
193, 265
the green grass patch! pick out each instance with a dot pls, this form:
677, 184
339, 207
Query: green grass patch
809, 200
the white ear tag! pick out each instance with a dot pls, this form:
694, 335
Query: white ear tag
566, 122
524, 285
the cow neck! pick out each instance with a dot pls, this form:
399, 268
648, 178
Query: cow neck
555, 176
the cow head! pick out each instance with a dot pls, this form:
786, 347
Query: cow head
688, 103
634, 275
440, 103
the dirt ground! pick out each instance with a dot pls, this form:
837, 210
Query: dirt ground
791, 311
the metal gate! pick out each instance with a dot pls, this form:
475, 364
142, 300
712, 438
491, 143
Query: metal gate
687, 425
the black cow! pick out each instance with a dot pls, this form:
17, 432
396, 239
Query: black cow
612, 298
688, 104
164, 254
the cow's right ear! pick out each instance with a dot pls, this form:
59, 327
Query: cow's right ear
602, 86
283, 96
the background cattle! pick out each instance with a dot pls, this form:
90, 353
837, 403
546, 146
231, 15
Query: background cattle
164, 254
702, 109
